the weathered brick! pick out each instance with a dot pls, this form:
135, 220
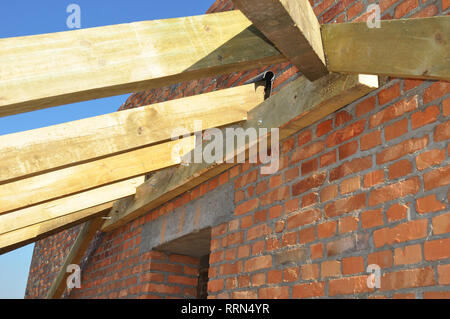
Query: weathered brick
309, 290
429, 115
370, 140
437, 249
444, 274
437, 178
429, 204
441, 224
258, 263
408, 255
274, 293
346, 133
394, 111
353, 265
397, 151
351, 167
415, 229
430, 158
442, 132
372, 218
330, 268
309, 183
348, 286
409, 278
396, 129
394, 191
400, 169
345, 205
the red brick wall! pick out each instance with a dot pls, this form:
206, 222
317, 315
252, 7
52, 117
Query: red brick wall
366, 185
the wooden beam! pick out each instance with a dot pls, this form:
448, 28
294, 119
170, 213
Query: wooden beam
50, 148
53, 69
67, 206
22, 237
407, 48
294, 29
71, 180
298, 105
84, 238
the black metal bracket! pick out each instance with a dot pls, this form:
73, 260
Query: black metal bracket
267, 78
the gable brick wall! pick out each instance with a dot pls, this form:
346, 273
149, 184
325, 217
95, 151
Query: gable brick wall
368, 184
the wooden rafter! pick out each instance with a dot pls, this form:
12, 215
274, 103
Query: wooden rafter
22, 237
66, 206
410, 48
47, 70
71, 180
298, 105
51, 148
82, 242
294, 29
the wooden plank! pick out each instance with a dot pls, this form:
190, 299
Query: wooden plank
50, 148
71, 180
47, 70
298, 105
25, 236
41, 213
407, 48
294, 29
74, 257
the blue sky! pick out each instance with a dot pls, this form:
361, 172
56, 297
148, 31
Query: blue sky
22, 18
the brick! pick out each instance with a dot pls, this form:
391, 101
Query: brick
365, 106
348, 150
408, 255
261, 187
441, 224
342, 118
291, 174
288, 145
404, 296
310, 271
435, 91
409, 84
329, 193
373, 178
309, 290
291, 205
442, 132
246, 179
307, 235
428, 116
316, 251
309, 200
415, 229
346, 133
345, 205
278, 194
327, 229
258, 279
183, 280
444, 274
233, 239
330, 268
381, 258
289, 239
310, 166
396, 212
309, 183
328, 159
394, 191
436, 295
247, 207
410, 278
372, 218
303, 218
400, 169
370, 140
291, 274
293, 255
437, 249
446, 107
405, 7
274, 276
430, 158
258, 263
397, 151
215, 285
274, 293
307, 152
348, 286
353, 265
351, 167
304, 138
351, 243
351, 185
388, 94
394, 111
396, 129
276, 181
355, 10
429, 204
437, 178
348, 224
258, 231
324, 128
184, 259
163, 289
230, 268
